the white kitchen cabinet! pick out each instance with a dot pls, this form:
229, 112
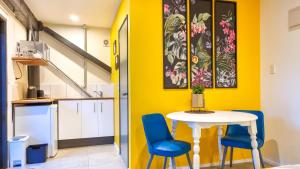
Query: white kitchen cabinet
106, 118
70, 119
90, 122
86, 119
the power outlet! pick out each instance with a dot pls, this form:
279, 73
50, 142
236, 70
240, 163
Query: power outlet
273, 69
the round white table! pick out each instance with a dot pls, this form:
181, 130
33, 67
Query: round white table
219, 118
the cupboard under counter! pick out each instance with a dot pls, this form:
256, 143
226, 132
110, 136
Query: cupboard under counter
85, 122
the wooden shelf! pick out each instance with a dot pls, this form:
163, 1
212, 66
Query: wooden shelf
33, 101
30, 61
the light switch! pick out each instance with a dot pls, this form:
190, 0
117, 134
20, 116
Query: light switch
273, 69
294, 19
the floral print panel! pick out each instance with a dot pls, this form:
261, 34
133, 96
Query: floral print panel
175, 44
226, 54
201, 43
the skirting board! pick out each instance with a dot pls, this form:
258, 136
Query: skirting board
271, 162
85, 142
217, 164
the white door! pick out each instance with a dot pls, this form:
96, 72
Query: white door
89, 118
69, 120
106, 118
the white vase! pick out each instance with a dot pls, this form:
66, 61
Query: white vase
198, 101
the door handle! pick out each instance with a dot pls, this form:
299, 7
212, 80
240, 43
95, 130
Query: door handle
124, 94
101, 107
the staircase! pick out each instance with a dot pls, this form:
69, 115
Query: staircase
30, 22
81, 53
76, 49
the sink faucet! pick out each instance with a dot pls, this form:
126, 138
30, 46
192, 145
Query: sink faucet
99, 93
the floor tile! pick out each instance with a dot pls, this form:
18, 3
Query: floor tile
94, 157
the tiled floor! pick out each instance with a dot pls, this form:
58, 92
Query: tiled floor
239, 166
95, 157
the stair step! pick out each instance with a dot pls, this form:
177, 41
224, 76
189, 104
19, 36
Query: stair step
77, 49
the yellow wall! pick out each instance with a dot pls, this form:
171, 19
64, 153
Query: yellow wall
147, 93
123, 11
146, 79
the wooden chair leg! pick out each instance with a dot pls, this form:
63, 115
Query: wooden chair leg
231, 156
165, 162
261, 159
224, 157
150, 161
173, 163
189, 160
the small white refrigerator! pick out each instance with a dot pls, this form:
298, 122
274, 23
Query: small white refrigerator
39, 122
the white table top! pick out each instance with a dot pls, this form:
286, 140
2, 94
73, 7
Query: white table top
217, 117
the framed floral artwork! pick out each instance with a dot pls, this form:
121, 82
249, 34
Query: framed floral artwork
201, 71
175, 44
225, 45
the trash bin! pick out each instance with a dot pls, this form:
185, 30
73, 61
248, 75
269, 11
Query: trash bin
17, 151
37, 153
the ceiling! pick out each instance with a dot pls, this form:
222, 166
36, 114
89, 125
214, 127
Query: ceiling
97, 13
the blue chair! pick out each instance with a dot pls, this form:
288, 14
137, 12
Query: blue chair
238, 137
160, 141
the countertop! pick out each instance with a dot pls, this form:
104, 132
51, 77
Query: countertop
53, 100
89, 98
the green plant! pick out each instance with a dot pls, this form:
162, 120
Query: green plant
198, 89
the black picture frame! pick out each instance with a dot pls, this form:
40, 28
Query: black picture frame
167, 82
221, 8
197, 7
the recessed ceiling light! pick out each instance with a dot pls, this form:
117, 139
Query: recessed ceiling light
74, 18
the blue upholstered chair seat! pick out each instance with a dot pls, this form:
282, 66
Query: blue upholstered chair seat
240, 142
171, 148
160, 141
238, 137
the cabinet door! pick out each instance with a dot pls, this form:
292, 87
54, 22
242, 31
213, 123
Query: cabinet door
69, 120
106, 118
89, 118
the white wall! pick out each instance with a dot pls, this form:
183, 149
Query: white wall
15, 89
95, 38
72, 64
95, 45
280, 92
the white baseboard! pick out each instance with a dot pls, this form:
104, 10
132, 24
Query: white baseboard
271, 162
217, 164
117, 148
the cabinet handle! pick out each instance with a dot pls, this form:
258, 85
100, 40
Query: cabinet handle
101, 108
94, 107
77, 107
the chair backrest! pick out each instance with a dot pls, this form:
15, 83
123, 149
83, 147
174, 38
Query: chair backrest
233, 130
156, 128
